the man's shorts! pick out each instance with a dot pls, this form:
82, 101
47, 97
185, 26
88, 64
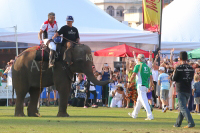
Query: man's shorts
157, 90
197, 100
50, 88
149, 95
164, 94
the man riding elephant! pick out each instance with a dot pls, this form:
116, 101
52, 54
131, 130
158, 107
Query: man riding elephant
71, 37
48, 29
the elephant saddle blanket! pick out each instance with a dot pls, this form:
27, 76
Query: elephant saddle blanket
46, 50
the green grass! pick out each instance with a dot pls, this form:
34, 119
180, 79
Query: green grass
92, 120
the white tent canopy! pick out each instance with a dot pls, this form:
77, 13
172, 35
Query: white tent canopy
94, 24
180, 25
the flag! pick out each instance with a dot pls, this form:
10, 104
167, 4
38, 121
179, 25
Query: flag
151, 15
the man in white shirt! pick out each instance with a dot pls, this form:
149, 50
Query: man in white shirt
48, 29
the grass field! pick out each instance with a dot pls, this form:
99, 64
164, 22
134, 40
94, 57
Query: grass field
92, 120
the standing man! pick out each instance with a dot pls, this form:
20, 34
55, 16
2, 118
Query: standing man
48, 29
143, 74
71, 35
183, 76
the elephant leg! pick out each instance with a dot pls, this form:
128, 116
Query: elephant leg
32, 107
19, 109
64, 92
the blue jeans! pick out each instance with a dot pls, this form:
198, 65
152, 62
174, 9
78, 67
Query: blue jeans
184, 111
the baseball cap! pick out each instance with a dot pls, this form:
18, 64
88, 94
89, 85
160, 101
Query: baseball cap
140, 56
69, 18
161, 68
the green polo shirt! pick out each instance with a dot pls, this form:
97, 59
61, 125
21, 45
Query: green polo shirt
143, 74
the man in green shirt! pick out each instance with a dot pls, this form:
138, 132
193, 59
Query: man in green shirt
142, 73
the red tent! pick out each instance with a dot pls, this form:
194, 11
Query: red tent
121, 51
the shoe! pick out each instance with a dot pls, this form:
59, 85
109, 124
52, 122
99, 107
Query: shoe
85, 107
165, 109
130, 114
188, 126
94, 106
104, 105
148, 119
175, 125
170, 110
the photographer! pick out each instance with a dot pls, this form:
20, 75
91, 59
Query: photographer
106, 72
80, 91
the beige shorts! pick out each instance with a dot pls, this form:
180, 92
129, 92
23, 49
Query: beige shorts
197, 100
164, 94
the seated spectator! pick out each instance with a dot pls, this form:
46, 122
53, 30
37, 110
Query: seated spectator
196, 92
80, 91
164, 83
118, 96
112, 87
4, 78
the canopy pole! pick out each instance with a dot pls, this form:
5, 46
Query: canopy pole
16, 41
160, 32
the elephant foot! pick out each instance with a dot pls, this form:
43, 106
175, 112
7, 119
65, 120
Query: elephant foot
61, 114
34, 115
20, 114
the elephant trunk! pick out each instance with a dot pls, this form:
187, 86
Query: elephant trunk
92, 78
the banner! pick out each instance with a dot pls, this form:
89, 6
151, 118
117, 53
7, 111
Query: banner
6, 91
151, 15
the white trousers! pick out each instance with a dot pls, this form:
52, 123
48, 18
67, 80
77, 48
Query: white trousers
116, 102
52, 45
142, 100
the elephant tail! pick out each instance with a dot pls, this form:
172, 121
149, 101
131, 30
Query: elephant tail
13, 95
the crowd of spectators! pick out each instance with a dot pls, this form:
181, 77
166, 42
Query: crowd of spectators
122, 92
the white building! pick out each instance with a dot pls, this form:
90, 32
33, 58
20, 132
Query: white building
117, 8
124, 10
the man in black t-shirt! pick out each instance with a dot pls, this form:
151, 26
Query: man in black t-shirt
72, 37
183, 76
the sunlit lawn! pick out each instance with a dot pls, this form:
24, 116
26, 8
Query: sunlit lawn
92, 120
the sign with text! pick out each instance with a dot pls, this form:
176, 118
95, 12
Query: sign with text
119, 64
4, 89
151, 15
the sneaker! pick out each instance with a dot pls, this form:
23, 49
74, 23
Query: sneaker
130, 114
175, 125
94, 106
170, 110
148, 119
104, 105
188, 126
85, 107
165, 109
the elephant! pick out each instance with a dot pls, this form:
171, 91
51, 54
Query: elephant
26, 77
